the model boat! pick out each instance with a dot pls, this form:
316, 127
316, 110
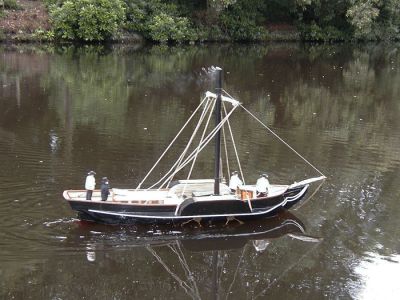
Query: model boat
172, 200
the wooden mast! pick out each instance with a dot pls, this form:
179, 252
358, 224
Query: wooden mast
217, 150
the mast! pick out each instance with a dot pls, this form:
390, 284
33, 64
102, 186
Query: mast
217, 151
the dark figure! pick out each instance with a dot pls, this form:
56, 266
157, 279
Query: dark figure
105, 189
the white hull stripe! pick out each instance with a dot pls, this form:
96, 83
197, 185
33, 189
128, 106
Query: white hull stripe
185, 217
202, 216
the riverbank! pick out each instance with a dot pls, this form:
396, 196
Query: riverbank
30, 22
181, 22
25, 22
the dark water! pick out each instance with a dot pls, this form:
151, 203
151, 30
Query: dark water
64, 111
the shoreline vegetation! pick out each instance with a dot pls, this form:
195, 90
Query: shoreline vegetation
193, 21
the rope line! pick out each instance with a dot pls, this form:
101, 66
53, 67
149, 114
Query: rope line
186, 287
206, 141
198, 149
226, 152
178, 162
279, 138
235, 149
172, 142
182, 161
182, 258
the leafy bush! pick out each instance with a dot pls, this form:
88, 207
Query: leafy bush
160, 22
212, 33
315, 33
11, 4
243, 30
164, 28
44, 35
240, 21
136, 17
87, 20
139, 13
217, 20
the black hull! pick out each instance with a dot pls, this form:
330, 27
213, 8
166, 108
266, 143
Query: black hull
202, 211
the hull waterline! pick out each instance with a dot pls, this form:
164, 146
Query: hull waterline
202, 211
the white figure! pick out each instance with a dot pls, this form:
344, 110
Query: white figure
90, 184
262, 185
235, 181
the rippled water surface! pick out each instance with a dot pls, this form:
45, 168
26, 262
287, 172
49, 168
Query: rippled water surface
64, 111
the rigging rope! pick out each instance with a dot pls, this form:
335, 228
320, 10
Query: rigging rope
187, 288
203, 114
177, 163
181, 256
226, 151
234, 147
274, 281
172, 142
198, 150
279, 138
194, 134
236, 271
206, 141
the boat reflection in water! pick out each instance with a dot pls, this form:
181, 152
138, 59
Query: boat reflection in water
193, 237
259, 233
199, 262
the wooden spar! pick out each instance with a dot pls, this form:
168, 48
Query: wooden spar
217, 151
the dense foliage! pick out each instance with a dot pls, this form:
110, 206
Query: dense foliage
159, 21
232, 20
87, 20
327, 20
9, 4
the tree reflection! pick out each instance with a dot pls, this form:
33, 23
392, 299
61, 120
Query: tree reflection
81, 108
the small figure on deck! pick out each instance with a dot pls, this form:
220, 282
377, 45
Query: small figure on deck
262, 185
235, 182
105, 189
90, 184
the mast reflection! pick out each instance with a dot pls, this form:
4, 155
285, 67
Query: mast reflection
209, 262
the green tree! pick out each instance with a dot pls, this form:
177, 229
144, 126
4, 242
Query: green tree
375, 19
362, 14
159, 21
87, 20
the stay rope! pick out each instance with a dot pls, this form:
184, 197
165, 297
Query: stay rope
198, 149
226, 151
234, 148
203, 115
172, 142
179, 161
201, 146
182, 161
278, 137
